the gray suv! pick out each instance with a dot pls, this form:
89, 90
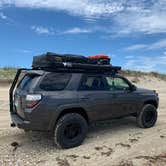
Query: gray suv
65, 103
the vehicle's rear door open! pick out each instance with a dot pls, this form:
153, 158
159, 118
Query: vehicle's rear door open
13, 87
20, 88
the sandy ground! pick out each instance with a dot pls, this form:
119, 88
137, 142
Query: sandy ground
117, 142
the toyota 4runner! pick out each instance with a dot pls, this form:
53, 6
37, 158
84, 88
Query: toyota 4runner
66, 102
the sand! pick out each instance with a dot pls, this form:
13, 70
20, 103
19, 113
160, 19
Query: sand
114, 142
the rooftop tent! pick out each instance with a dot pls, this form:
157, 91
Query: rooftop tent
53, 61
56, 60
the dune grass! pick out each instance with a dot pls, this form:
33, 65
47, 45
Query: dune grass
8, 73
138, 74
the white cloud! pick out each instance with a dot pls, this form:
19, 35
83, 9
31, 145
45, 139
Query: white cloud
156, 45
77, 30
79, 7
155, 23
24, 51
126, 16
136, 47
50, 31
42, 30
129, 57
147, 63
148, 17
3, 16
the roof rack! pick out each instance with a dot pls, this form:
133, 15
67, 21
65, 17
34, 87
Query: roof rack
78, 67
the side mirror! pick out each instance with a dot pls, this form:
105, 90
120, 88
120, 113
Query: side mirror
133, 87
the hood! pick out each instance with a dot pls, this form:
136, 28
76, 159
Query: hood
145, 91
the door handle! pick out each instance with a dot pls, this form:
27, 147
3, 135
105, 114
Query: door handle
84, 98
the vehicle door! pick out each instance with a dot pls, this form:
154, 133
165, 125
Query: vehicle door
93, 96
123, 98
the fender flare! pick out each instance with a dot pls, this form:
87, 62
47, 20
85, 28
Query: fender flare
59, 111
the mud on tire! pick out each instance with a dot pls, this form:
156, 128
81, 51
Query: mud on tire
147, 117
70, 130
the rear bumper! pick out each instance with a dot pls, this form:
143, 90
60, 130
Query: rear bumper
20, 123
25, 124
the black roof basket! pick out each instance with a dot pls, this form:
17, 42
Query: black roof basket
72, 63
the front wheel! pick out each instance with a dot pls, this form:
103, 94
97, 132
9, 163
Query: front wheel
70, 130
147, 117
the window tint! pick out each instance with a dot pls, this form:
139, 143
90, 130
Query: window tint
25, 83
117, 83
55, 81
92, 83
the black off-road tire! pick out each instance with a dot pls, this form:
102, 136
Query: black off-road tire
68, 126
147, 117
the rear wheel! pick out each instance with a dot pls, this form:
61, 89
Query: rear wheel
147, 117
70, 130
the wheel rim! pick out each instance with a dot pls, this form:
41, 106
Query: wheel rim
149, 117
72, 131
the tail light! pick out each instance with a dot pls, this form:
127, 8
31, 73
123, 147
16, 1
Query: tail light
32, 100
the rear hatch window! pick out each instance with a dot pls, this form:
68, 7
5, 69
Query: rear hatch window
25, 83
22, 89
55, 81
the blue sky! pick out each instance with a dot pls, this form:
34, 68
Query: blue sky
131, 32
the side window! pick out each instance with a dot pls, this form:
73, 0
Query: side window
92, 83
55, 81
110, 83
117, 83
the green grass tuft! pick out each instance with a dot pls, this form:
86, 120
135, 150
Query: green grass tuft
138, 74
7, 72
